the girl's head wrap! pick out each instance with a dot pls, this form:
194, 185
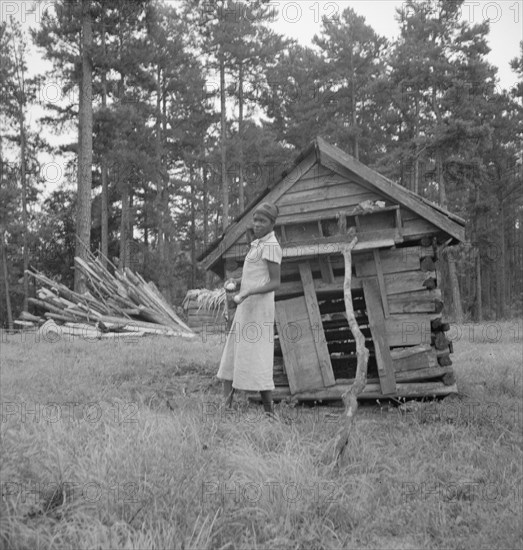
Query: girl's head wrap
268, 209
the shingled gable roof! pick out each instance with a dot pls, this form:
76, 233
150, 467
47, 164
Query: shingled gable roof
329, 156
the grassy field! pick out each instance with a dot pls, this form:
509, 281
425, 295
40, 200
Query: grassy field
121, 445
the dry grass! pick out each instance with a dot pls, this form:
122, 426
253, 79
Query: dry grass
144, 461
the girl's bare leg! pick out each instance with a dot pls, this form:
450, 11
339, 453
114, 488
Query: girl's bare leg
228, 392
266, 397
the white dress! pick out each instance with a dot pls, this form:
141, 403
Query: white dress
248, 356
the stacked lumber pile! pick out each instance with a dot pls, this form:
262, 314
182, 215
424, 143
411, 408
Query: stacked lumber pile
113, 304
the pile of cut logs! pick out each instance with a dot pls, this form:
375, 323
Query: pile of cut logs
113, 304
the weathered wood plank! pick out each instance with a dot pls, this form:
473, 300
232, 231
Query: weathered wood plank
399, 221
419, 375
406, 285
315, 320
421, 301
379, 219
317, 173
297, 344
392, 261
310, 181
418, 227
381, 282
291, 362
363, 237
341, 203
327, 275
421, 357
378, 330
329, 190
295, 287
311, 250
408, 329
408, 281
371, 391
302, 231
345, 202
328, 215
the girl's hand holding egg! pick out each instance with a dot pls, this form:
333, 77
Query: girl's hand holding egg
230, 285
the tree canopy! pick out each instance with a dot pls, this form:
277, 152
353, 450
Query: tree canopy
195, 112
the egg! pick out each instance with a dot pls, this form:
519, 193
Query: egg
230, 286
237, 298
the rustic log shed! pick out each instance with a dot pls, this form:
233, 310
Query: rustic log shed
394, 283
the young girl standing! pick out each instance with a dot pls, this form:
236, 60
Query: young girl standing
248, 357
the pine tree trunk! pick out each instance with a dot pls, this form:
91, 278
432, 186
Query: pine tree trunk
166, 217
83, 223
206, 219
225, 186
21, 99
441, 181
241, 199
130, 225
453, 275
105, 213
124, 172
501, 263
105, 190
159, 176
6, 284
509, 245
356, 144
488, 294
145, 226
415, 183
23, 179
454, 285
205, 208
124, 224
193, 228
479, 304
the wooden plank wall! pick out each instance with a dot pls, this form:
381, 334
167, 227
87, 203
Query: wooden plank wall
297, 341
376, 317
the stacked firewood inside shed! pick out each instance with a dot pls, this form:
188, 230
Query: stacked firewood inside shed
116, 303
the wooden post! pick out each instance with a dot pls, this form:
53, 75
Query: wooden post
350, 397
